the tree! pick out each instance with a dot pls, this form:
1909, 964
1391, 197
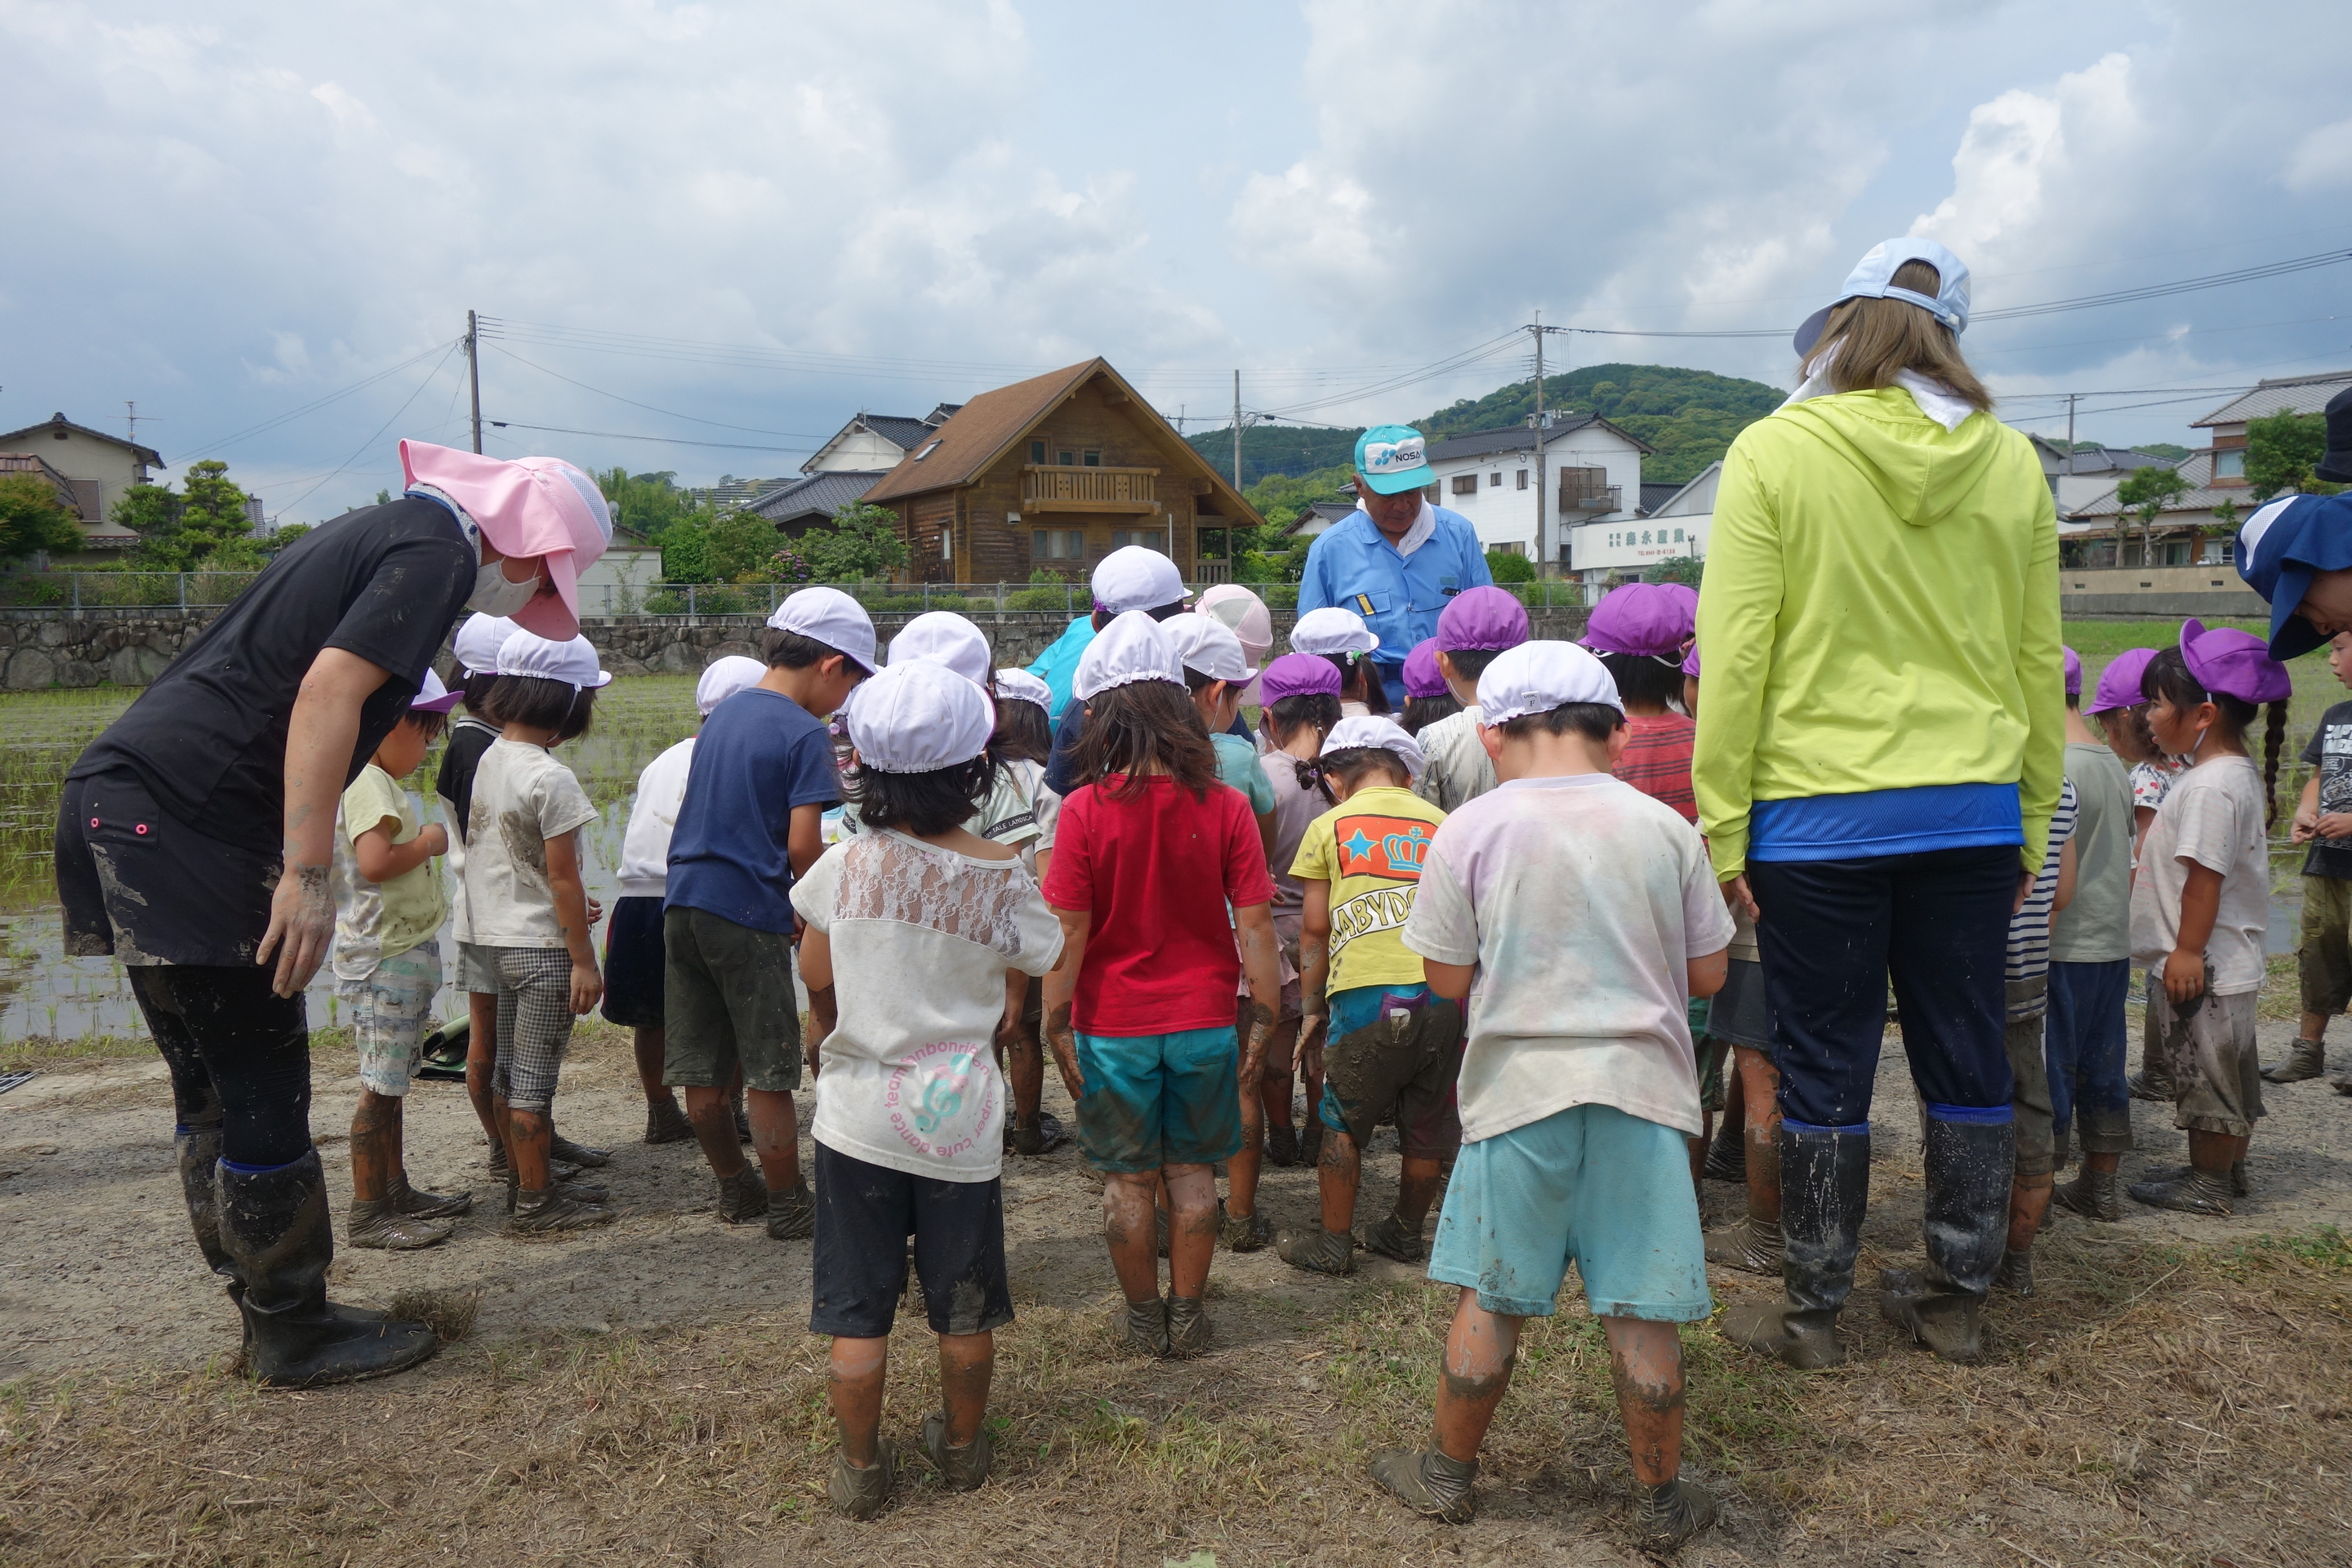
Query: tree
2281, 451
32, 518
204, 525
863, 544
1685, 569
1509, 567
2142, 495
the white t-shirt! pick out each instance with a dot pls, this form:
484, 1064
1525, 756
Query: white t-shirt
1015, 814
1457, 769
2212, 814
522, 798
1581, 901
653, 817
922, 938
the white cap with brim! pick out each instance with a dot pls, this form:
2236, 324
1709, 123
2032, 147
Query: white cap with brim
1133, 647
433, 696
1208, 648
1370, 732
723, 678
831, 617
477, 642
536, 658
942, 636
918, 717
1332, 630
1538, 677
1134, 577
1020, 686
1873, 277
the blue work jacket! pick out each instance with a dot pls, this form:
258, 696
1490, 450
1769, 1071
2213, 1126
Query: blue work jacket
1352, 565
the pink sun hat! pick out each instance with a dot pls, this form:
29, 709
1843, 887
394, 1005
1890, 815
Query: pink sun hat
525, 506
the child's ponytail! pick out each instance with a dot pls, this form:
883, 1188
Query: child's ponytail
2273, 732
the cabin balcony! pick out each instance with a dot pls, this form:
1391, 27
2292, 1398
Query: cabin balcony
1050, 489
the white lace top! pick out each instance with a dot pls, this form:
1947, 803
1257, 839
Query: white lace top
921, 940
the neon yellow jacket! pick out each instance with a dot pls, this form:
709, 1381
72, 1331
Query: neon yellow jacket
1880, 611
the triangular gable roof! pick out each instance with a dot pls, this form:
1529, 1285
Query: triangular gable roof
1702, 476
982, 430
147, 455
2303, 393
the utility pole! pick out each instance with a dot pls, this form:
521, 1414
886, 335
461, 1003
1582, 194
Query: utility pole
2070, 431
1542, 542
474, 374
1237, 430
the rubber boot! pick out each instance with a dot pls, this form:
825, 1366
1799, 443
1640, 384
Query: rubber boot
275, 1228
2094, 1195
1824, 1191
1428, 1482
666, 1124
199, 1150
743, 1196
1188, 1325
1391, 1238
961, 1469
858, 1493
1670, 1514
1141, 1325
416, 1205
2015, 1274
1319, 1251
1726, 1157
1969, 1166
376, 1223
2191, 1191
2308, 1059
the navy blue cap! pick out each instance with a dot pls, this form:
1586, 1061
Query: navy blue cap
2279, 550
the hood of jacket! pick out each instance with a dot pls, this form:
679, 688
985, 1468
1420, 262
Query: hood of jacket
1922, 471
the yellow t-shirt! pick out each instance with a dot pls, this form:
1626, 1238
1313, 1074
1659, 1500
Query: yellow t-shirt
374, 921
1370, 848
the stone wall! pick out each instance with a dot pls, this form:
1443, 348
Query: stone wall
40, 649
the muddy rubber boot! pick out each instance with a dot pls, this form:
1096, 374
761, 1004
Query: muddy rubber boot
1747, 1243
1670, 1514
1391, 1239
2191, 1191
551, 1212
1429, 1483
1188, 1326
1244, 1232
199, 1151
2015, 1274
2094, 1195
858, 1493
1141, 1325
2308, 1059
1281, 1146
743, 1196
276, 1230
2151, 1085
378, 1225
1726, 1157
792, 1215
1968, 1168
961, 1469
419, 1205
1825, 1190
559, 1147
1319, 1251
666, 1123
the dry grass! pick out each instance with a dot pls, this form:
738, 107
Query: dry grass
2155, 1407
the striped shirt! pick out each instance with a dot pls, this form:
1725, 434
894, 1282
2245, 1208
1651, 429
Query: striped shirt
1657, 759
2029, 932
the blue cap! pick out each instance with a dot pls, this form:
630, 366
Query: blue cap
1873, 279
1393, 458
2279, 549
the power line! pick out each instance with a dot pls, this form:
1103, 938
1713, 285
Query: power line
379, 429
224, 442
675, 414
625, 436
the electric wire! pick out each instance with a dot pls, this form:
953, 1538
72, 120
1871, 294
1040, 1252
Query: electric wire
379, 429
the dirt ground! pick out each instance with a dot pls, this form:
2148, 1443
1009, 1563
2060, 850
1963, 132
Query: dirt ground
2175, 1392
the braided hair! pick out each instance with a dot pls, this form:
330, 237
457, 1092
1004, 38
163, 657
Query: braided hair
2169, 676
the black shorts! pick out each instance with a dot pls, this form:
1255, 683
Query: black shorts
139, 883
633, 964
864, 1212
1738, 1012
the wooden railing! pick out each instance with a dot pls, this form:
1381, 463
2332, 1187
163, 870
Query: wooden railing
1051, 489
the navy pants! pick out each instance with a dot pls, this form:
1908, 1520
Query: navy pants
1832, 933
2087, 1053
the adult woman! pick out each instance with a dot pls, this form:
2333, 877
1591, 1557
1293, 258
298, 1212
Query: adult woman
1879, 753
193, 840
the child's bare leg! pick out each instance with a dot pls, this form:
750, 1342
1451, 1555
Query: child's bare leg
1192, 1228
1127, 1231
1024, 1069
1646, 1361
650, 1046
1275, 1089
854, 1389
528, 1135
375, 1146
481, 1053
775, 1138
966, 1363
711, 1114
1760, 1083
2028, 1203
1337, 1171
1416, 1190
1242, 1170
1479, 1348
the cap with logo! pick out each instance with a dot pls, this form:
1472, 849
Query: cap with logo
916, 717
945, 637
1484, 619
1538, 677
536, 658
831, 617
1393, 458
1873, 277
1020, 686
723, 678
1134, 577
1208, 647
1132, 647
1371, 732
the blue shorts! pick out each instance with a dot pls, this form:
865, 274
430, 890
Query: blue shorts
1161, 1099
1591, 1184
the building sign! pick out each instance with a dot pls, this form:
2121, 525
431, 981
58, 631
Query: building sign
1598, 546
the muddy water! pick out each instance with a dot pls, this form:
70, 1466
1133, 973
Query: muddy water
45, 993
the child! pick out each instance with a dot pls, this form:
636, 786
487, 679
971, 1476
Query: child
1427, 698
633, 941
530, 909
2323, 818
1301, 697
2201, 902
2025, 977
1394, 1049
1024, 740
2090, 973
1150, 850
1341, 636
1575, 1097
1639, 631
1476, 626
2122, 714
757, 789
909, 1110
387, 970
477, 646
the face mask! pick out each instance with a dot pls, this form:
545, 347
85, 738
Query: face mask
494, 595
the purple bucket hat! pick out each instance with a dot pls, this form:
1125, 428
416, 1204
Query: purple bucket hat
1482, 619
2238, 664
1690, 662
1421, 676
1300, 675
2119, 682
1640, 618
2073, 672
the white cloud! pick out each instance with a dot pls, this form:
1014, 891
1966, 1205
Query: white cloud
2322, 161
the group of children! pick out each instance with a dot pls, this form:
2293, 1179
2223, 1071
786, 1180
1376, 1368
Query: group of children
1205, 916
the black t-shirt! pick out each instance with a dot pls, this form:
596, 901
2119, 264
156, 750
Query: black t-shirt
468, 738
208, 737
2331, 752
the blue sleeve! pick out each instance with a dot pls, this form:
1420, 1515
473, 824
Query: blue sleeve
812, 777
1315, 583
1062, 769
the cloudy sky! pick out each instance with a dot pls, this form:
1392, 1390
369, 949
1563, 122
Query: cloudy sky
736, 224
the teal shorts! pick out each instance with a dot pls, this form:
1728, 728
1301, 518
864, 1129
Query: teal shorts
1590, 1183
1161, 1099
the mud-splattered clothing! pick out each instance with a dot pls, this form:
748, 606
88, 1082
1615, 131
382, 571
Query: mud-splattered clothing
376, 920
534, 1024
760, 757
922, 939
522, 798
135, 881
1367, 852
2208, 1047
1159, 1100
386, 1010
1395, 1049
2213, 817
865, 1215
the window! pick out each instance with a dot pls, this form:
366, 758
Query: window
1057, 544
1069, 459
1149, 538
1037, 451
1094, 460
2230, 465
1506, 547
927, 449
1496, 482
1523, 478
1466, 484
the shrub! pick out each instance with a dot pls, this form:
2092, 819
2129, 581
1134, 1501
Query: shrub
1510, 566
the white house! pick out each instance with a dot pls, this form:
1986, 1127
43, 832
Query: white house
1599, 551
876, 442
1489, 478
96, 465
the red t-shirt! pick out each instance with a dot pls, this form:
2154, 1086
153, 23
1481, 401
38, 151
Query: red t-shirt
1657, 759
1156, 872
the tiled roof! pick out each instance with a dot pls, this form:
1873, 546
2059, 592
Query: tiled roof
32, 463
819, 495
2201, 496
1655, 496
2303, 393
978, 430
147, 455
1522, 439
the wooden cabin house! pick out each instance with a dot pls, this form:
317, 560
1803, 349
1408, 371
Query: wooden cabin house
1055, 473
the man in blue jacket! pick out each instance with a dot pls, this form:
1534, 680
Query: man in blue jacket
1398, 559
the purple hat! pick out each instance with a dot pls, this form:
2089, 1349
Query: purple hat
1639, 618
1421, 676
2119, 682
2238, 664
1685, 595
1690, 662
1300, 675
2073, 672
1482, 619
